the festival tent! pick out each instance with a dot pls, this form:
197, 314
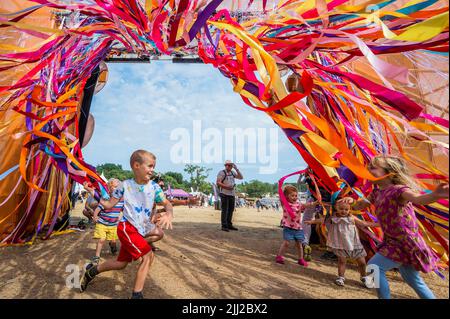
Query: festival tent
176, 192
366, 69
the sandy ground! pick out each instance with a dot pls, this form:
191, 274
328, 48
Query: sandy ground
196, 260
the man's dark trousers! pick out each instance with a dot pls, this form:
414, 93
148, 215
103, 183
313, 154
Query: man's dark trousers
227, 202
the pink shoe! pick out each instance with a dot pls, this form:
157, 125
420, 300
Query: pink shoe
302, 262
279, 259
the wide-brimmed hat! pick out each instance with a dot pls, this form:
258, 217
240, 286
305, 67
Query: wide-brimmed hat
228, 162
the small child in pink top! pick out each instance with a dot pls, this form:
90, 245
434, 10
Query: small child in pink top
292, 227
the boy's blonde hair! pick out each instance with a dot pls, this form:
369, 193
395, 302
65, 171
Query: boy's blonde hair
113, 181
398, 169
289, 189
138, 156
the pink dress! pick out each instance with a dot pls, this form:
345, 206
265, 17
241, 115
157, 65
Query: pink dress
402, 240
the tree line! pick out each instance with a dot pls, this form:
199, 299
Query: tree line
197, 180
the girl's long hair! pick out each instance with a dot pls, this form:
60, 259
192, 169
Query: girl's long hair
398, 169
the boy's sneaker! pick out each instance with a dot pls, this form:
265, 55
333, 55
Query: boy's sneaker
113, 248
367, 281
137, 295
279, 259
340, 281
302, 262
89, 273
82, 224
307, 251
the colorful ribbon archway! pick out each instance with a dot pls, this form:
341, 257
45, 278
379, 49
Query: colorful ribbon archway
358, 63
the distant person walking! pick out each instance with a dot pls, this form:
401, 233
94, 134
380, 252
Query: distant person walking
226, 184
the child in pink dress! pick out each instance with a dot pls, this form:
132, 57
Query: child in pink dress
403, 246
292, 227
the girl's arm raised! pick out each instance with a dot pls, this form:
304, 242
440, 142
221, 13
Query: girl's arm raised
424, 199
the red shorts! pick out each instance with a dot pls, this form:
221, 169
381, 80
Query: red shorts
133, 245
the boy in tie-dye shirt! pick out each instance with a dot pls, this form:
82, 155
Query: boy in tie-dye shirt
139, 194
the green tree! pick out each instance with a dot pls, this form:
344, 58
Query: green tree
114, 171
174, 179
205, 187
177, 176
256, 188
198, 175
169, 180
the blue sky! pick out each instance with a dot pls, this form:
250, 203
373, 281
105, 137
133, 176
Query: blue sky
143, 104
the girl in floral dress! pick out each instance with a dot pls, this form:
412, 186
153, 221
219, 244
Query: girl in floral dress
403, 246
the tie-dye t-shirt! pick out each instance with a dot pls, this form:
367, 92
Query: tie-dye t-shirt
138, 202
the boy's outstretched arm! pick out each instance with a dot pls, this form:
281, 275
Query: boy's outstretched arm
165, 221
424, 199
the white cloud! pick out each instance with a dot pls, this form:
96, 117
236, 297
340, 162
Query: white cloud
142, 103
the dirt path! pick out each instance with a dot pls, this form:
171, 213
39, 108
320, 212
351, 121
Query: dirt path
196, 260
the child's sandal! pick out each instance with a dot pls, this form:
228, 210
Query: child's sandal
279, 259
340, 281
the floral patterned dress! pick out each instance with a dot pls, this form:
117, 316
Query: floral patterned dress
402, 240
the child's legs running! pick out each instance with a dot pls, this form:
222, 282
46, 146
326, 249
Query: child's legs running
299, 247
283, 247
415, 281
342, 261
156, 234
141, 274
100, 243
111, 235
382, 265
111, 264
